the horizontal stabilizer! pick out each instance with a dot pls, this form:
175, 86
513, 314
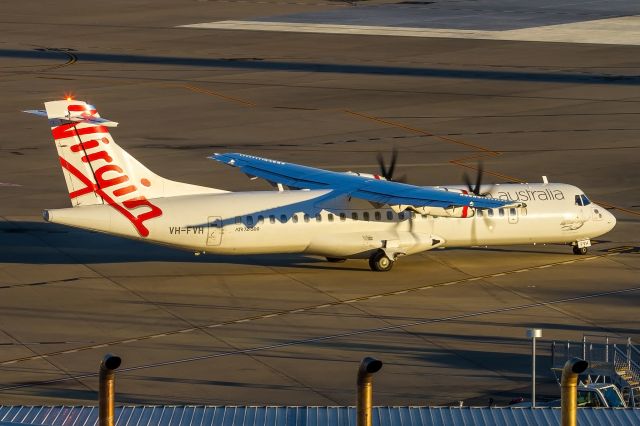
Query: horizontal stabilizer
70, 117
38, 112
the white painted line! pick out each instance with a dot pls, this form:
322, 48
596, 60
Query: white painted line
214, 325
474, 279
544, 266
98, 346
296, 311
242, 320
186, 330
424, 288
70, 351
623, 30
376, 297
270, 316
9, 362
499, 275
521, 270
350, 301
323, 306
129, 341
400, 292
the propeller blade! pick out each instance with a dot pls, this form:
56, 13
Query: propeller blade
467, 181
383, 169
474, 188
387, 173
478, 179
392, 165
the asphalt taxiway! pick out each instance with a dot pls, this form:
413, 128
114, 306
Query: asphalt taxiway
449, 324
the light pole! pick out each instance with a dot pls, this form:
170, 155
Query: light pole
533, 334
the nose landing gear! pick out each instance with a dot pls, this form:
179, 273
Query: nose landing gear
580, 251
581, 247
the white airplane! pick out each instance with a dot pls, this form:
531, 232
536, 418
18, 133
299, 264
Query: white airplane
336, 215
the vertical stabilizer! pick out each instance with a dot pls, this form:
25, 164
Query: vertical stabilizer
98, 171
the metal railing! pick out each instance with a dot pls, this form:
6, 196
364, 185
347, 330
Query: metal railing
619, 362
598, 354
627, 373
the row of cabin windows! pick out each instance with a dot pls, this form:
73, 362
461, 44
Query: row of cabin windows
366, 216
330, 217
491, 212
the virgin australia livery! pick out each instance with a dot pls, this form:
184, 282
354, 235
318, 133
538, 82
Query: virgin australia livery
336, 215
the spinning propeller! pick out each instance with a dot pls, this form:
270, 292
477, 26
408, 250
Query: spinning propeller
475, 189
387, 173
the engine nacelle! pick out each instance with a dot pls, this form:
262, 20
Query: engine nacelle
461, 212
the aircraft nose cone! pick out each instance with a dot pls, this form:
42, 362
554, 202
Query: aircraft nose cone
611, 221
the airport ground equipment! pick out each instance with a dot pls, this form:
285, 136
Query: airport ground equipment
595, 395
569, 395
611, 360
107, 390
368, 367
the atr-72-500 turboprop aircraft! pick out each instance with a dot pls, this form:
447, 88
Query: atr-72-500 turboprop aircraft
331, 214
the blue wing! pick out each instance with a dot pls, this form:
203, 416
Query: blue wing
378, 191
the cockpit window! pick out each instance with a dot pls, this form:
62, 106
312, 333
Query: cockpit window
578, 200
585, 200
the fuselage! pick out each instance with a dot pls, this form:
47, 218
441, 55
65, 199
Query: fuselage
314, 222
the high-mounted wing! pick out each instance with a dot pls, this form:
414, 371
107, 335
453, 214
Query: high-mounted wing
370, 189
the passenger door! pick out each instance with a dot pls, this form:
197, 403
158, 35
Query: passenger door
214, 231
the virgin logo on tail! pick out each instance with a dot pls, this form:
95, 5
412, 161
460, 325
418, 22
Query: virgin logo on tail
111, 182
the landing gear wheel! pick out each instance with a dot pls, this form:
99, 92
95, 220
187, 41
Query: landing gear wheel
580, 251
336, 259
380, 262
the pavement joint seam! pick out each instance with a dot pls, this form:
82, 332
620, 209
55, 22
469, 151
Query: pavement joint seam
611, 252
318, 339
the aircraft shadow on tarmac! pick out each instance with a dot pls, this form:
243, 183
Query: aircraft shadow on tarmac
268, 65
47, 243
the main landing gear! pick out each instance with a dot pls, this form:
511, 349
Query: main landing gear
380, 262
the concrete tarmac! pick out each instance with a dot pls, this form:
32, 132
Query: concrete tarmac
449, 324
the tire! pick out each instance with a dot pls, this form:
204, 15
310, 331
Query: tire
336, 259
379, 262
580, 251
